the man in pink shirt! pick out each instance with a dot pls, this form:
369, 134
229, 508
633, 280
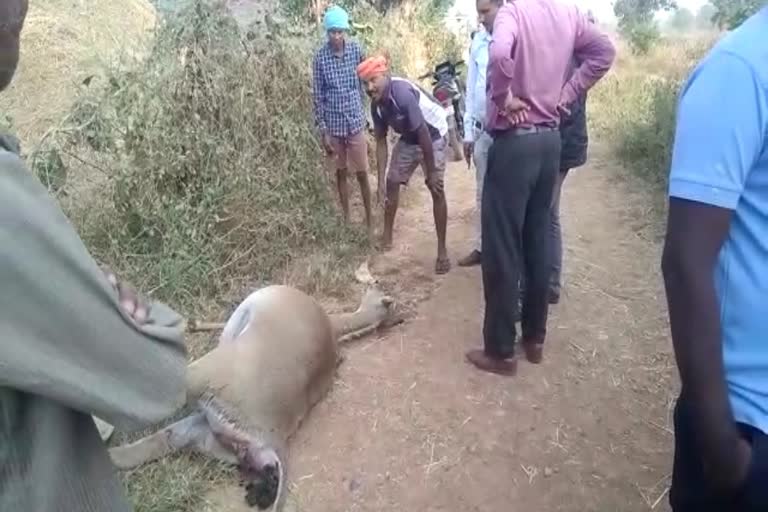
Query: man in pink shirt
534, 43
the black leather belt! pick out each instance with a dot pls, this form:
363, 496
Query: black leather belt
524, 130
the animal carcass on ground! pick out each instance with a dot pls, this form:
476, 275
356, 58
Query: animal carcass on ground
276, 358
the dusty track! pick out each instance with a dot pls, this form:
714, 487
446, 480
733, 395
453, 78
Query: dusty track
410, 426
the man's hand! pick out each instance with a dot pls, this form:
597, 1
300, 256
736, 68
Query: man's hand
729, 475
564, 110
328, 144
515, 110
469, 149
133, 305
434, 182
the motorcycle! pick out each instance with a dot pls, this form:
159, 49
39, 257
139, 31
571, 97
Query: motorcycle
448, 90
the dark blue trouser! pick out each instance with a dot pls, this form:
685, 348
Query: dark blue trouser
691, 492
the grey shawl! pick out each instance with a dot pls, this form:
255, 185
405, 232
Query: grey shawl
67, 351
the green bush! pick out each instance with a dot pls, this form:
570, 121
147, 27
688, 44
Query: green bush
212, 171
634, 107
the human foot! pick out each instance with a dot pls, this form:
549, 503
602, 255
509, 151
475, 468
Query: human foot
385, 244
471, 259
534, 352
442, 265
506, 367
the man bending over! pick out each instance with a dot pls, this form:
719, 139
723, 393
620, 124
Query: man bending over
420, 120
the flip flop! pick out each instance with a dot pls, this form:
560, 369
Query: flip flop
442, 265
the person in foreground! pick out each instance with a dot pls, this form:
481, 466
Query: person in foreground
420, 120
533, 45
338, 108
74, 343
477, 141
716, 277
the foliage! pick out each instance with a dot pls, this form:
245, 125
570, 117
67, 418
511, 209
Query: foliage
705, 16
636, 21
730, 14
315, 8
682, 20
209, 167
634, 108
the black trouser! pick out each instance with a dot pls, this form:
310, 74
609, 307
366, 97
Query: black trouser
692, 492
515, 218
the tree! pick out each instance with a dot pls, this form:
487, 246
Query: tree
705, 16
637, 23
682, 20
729, 14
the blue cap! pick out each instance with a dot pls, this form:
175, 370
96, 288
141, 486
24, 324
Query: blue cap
336, 18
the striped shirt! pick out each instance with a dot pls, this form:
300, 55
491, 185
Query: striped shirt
337, 91
405, 108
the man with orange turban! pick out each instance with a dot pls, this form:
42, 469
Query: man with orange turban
421, 122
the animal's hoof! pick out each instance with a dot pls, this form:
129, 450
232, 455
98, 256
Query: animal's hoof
262, 490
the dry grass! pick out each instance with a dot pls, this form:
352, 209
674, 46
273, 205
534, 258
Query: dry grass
65, 41
633, 107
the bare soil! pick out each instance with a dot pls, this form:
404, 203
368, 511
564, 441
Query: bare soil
411, 426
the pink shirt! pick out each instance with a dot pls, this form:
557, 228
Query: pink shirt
534, 42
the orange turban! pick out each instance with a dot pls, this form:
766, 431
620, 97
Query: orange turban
372, 67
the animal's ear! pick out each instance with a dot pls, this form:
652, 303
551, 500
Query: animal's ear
387, 300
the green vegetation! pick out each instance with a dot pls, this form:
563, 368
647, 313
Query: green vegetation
634, 107
637, 24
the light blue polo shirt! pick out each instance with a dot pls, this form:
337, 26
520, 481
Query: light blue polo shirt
720, 158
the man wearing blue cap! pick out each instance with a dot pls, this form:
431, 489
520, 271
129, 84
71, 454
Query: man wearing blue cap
338, 105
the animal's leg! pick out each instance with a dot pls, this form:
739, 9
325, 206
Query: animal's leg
210, 445
174, 437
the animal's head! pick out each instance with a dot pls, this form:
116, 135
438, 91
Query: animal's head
262, 471
376, 304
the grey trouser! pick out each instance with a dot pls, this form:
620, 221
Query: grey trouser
556, 234
483, 143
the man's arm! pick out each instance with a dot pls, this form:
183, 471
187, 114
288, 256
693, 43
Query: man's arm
318, 95
427, 148
360, 59
500, 61
594, 52
380, 130
63, 333
710, 165
469, 95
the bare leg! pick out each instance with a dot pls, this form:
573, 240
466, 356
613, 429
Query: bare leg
393, 198
365, 192
440, 212
343, 188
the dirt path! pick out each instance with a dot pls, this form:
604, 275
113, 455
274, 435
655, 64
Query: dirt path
410, 426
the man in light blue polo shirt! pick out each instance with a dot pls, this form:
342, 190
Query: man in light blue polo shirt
715, 268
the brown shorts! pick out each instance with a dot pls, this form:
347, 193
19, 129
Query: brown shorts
407, 157
350, 152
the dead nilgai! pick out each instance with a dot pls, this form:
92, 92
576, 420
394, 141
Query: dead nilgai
275, 359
